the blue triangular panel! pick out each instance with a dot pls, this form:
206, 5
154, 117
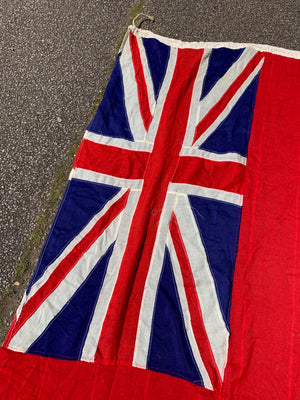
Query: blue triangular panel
65, 335
170, 350
158, 56
232, 135
220, 61
111, 117
82, 200
219, 225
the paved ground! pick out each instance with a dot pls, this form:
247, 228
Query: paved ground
54, 61
55, 58
271, 22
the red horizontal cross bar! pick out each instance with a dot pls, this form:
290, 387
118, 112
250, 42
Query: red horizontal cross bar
131, 164
111, 160
222, 175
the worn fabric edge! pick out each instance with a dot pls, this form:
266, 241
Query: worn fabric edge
203, 45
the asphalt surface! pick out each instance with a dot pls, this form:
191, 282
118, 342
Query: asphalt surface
272, 22
56, 56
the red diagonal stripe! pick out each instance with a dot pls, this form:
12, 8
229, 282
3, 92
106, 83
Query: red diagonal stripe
222, 175
220, 106
141, 82
110, 160
194, 305
66, 265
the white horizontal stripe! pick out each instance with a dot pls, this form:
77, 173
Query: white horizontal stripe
230, 106
121, 143
208, 45
216, 194
46, 275
197, 90
147, 75
195, 152
131, 94
150, 291
39, 321
186, 314
212, 317
162, 96
92, 339
97, 177
224, 83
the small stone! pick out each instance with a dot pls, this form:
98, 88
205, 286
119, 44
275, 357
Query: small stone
17, 283
58, 119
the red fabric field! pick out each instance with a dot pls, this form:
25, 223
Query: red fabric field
264, 351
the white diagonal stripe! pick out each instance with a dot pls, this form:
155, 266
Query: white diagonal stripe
162, 95
97, 177
147, 74
39, 321
224, 83
150, 291
131, 94
215, 326
116, 142
186, 314
47, 273
197, 90
95, 328
229, 106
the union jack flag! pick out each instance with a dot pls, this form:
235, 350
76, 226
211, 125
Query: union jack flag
137, 269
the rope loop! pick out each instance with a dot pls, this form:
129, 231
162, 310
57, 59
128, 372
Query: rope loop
146, 18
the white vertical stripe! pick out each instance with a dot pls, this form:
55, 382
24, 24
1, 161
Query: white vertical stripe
186, 314
162, 95
212, 317
39, 321
47, 273
229, 106
147, 74
92, 339
197, 90
150, 291
131, 94
224, 83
